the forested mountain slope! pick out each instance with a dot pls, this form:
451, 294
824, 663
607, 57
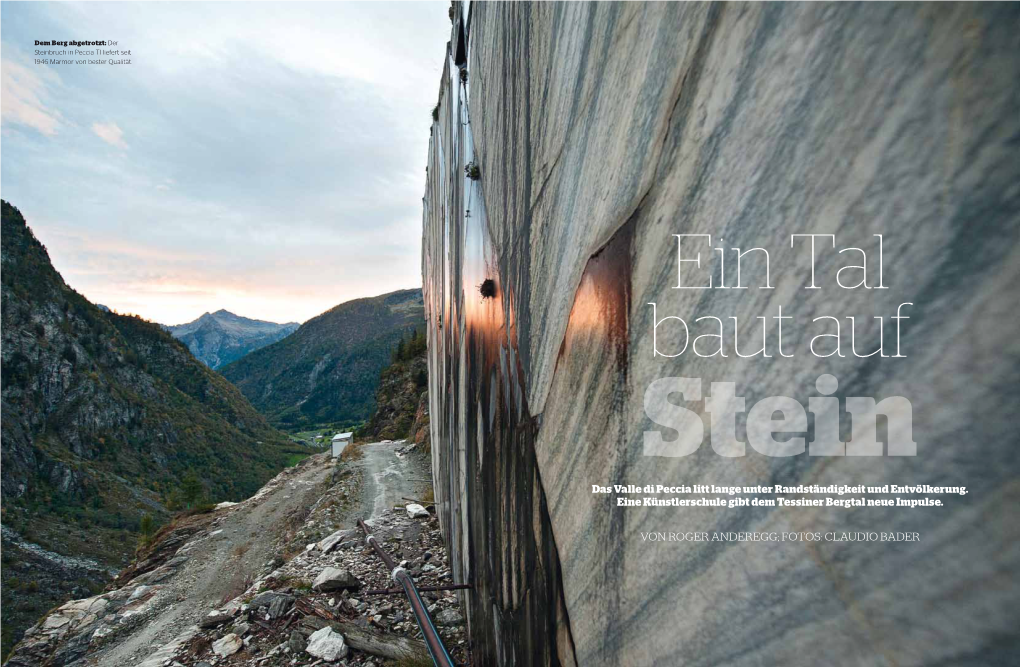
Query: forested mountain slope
103, 416
328, 370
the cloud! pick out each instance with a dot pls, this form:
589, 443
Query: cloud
251, 167
21, 94
110, 133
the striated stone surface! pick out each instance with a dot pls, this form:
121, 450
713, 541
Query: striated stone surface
599, 131
489, 499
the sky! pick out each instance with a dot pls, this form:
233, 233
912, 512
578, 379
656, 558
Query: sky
265, 158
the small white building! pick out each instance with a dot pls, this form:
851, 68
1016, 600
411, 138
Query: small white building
340, 442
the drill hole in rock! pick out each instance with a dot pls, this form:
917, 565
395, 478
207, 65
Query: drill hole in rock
488, 288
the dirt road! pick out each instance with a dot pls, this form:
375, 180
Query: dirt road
388, 478
239, 545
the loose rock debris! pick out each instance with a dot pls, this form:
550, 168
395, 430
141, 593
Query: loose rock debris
311, 606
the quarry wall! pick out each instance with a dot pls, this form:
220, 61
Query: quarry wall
571, 143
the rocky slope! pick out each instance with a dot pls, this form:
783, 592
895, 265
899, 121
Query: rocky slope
216, 339
327, 371
103, 417
401, 401
257, 582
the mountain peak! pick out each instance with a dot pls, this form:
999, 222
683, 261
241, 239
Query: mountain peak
221, 337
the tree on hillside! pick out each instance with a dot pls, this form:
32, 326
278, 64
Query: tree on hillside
398, 354
416, 347
191, 488
411, 348
147, 528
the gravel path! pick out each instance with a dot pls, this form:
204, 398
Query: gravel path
236, 549
207, 562
388, 478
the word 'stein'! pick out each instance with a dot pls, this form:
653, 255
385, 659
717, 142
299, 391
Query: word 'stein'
763, 425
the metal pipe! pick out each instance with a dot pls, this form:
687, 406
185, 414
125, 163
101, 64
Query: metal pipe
440, 656
421, 589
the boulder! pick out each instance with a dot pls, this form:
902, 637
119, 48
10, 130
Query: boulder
327, 645
213, 620
449, 617
277, 603
229, 644
329, 543
297, 642
415, 511
334, 579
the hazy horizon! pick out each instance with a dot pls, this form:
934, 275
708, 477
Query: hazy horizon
264, 159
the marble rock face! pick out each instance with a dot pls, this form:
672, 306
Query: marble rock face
587, 136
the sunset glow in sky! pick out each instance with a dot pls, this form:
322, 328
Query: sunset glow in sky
264, 158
